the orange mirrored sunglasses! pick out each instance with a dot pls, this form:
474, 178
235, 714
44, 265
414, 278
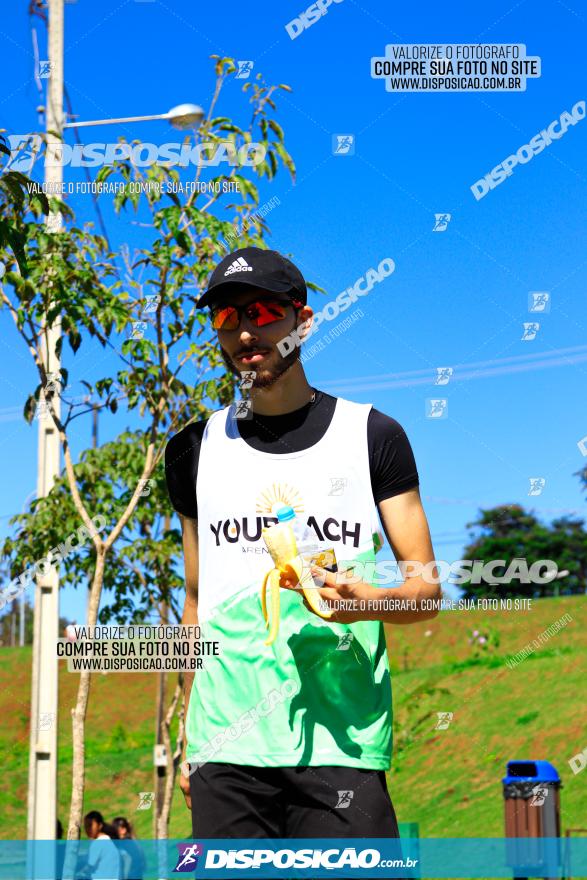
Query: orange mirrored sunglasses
260, 312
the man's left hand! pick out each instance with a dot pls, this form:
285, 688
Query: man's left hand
350, 599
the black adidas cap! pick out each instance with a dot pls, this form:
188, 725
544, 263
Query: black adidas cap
252, 267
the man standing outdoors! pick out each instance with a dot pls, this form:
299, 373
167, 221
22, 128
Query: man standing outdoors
290, 739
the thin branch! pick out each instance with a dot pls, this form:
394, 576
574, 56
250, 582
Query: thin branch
34, 351
99, 544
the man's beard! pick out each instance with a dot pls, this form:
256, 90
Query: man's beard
266, 376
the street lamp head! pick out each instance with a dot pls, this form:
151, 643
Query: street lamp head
185, 116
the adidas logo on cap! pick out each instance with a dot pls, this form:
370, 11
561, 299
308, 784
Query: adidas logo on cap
239, 265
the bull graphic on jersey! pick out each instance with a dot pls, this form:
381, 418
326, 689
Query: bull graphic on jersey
320, 702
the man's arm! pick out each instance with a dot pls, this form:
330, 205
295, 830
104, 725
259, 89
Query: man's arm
406, 528
189, 528
407, 531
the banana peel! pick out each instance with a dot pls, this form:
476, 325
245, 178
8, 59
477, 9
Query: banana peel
288, 563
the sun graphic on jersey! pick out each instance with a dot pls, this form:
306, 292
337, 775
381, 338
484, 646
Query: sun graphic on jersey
279, 495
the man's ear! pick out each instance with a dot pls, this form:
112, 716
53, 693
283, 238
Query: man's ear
304, 322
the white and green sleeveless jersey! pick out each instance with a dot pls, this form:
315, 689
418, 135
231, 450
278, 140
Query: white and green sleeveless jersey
320, 694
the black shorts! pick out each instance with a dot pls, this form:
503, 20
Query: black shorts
242, 801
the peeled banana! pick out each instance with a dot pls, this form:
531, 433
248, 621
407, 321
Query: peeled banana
282, 547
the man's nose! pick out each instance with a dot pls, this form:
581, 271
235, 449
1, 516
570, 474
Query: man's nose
247, 330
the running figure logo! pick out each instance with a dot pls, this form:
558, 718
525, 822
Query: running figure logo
146, 799
138, 329
443, 375
243, 409
437, 408
539, 301
531, 328
46, 720
244, 69
537, 484
188, 857
441, 222
444, 719
53, 385
337, 485
24, 149
344, 800
246, 380
343, 144
43, 410
539, 795
151, 304
344, 641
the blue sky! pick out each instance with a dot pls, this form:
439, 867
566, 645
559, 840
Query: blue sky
457, 298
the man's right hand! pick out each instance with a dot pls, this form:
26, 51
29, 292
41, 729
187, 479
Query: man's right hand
184, 784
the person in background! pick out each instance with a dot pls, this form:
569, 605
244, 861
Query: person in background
133, 859
110, 830
103, 857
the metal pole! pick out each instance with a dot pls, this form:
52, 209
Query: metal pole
123, 119
42, 795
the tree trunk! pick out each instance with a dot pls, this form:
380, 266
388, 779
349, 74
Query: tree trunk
78, 714
159, 772
161, 832
173, 758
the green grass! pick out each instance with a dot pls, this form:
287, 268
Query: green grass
449, 781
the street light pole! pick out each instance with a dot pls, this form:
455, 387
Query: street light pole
42, 793
123, 119
180, 117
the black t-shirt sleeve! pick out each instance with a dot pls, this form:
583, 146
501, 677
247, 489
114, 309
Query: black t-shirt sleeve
182, 456
391, 459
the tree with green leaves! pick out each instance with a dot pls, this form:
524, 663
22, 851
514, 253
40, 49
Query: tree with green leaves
140, 572
510, 533
167, 368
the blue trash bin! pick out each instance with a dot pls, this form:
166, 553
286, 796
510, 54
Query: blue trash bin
532, 818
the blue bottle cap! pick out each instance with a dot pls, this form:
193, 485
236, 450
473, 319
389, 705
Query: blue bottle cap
284, 514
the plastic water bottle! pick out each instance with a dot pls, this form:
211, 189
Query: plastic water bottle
307, 544
304, 538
